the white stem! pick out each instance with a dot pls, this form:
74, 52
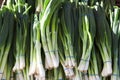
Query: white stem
49, 61
70, 64
17, 65
32, 69
66, 62
97, 77
81, 66
46, 64
66, 70
40, 69
54, 60
73, 62
47, 54
57, 58
107, 69
71, 75
22, 62
87, 64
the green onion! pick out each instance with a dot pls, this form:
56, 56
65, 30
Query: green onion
45, 21
87, 32
7, 47
115, 20
103, 40
93, 68
67, 36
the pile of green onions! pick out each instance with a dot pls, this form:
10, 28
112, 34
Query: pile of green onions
59, 40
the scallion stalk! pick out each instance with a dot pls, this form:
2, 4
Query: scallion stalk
103, 40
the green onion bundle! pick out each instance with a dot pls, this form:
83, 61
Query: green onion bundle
93, 70
67, 36
36, 64
21, 35
51, 58
59, 40
115, 21
87, 30
6, 36
103, 39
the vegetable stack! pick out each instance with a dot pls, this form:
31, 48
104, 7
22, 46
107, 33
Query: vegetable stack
59, 40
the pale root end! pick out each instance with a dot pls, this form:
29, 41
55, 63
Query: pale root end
72, 75
66, 70
32, 69
48, 59
66, 63
49, 62
48, 65
107, 69
39, 66
81, 66
40, 70
86, 67
55, 61
22, 62
16, 66
69, 73
38, 9
69, 64
97, 77
73, 62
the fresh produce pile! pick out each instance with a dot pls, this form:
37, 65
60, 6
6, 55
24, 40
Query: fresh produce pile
59, 40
